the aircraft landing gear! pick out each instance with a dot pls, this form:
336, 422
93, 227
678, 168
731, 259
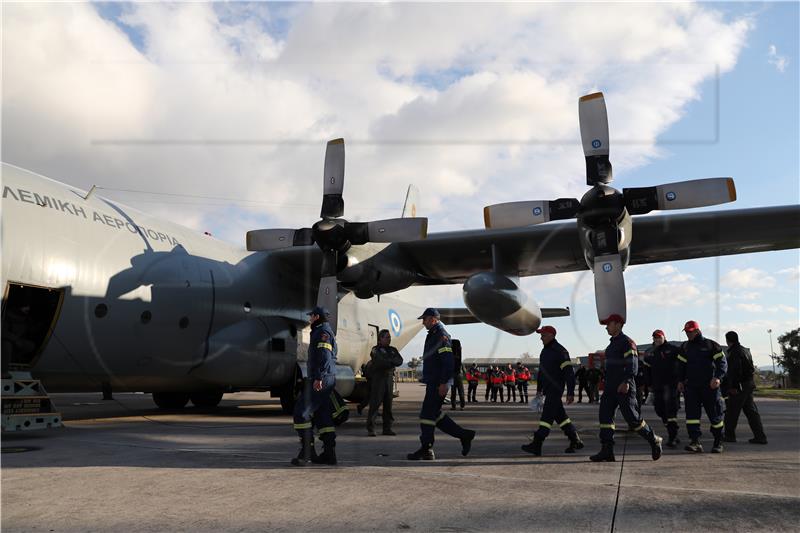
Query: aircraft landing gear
289, 392
171, 400
206, 399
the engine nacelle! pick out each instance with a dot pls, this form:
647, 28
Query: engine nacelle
381, 274
498, 301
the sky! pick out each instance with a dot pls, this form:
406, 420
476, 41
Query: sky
217, 114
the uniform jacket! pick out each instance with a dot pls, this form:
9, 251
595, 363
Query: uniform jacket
555, 369
437, 357
661, 366
740, 367
701, 360
622, 361
321, 352
522, 374
384, 359
511, 376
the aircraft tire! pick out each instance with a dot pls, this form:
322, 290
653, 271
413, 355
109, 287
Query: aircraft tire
289, 392
206, 399
171, 400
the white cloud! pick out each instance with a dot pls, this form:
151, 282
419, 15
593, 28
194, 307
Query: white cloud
788, 309
412, 82
666, 270
665, 294
792, 273
778, 61
750, 308
747, 278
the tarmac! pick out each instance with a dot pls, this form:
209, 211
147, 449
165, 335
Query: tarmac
124, 465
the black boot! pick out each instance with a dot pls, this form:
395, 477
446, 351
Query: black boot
425, 453
672, 438
694, 447
534, 447
466, 441
306, 455
605, 455
717, 447
575, 443
328, 455
653, 440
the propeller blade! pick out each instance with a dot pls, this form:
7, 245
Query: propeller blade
594, 136
333, 180
609, 286
679, 195
327, 295
390, 230
517, 214
262, 240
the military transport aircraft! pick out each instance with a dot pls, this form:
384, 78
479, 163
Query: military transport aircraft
98, 294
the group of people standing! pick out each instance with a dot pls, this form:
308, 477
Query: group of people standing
511, 379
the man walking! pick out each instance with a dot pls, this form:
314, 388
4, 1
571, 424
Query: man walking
314, 408
739, 387
437, 374
662, 369
555, 369
700, 375
620, 392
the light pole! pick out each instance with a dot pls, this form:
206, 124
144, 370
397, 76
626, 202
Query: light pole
771, 352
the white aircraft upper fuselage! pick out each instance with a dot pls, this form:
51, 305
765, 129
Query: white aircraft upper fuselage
149, 305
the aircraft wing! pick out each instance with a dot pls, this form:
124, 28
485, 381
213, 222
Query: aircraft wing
551, 248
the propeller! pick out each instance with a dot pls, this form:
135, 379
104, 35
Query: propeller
333, 234
603, 212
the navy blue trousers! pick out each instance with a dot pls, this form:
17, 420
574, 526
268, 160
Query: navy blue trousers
626, 403
708, 398
432, 417
554, 412
314, 409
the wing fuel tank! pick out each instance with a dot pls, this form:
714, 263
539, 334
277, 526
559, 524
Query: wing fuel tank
498, 301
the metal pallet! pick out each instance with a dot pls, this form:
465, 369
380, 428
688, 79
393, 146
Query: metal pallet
26, 405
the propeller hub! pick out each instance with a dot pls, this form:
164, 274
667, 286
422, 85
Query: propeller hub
601, 206
330, 234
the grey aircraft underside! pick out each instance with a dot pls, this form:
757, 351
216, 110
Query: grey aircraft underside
99, 295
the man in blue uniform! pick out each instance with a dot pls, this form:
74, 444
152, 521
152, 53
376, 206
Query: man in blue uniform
703, 366
437, 374
620, 392
314, 408
555, 369
661, 367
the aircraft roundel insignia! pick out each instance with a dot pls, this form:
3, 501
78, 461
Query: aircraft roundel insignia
671, 196
395, 322
596, 144
607, 267
537, 211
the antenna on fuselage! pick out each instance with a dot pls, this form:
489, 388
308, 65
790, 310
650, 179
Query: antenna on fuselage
91, 191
